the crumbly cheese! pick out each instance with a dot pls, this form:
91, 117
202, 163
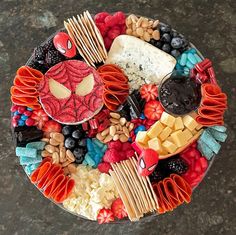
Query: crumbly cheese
141, 62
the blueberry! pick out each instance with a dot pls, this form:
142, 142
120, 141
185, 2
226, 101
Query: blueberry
67, 130
79, 155
165, 28
166, 47
77, 134
82, 143
166, 37
152, 41
158, 44
177, 42
174, 33
175, 53
70, 143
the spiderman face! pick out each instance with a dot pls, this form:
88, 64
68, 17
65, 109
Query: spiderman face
64, 44
71, 92
147, 162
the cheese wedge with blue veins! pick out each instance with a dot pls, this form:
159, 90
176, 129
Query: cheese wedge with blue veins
140, 61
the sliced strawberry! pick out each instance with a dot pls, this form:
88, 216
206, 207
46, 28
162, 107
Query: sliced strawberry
40, 117
104, 167
105, 216
153, 110
52, 126
149, 92
118, 209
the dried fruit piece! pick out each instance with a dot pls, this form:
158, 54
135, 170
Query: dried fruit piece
149, 92
118, 209
153, 110
105, 216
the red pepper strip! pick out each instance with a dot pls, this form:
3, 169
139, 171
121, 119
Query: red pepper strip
54, 185
22, 91
52, 174
40, 172
64, 191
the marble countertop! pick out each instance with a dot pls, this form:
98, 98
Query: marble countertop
209, 25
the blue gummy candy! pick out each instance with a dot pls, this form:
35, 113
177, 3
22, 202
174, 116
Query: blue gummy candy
197, 57
205, 150
192, 51
142, 116
139, 128
209, 140
178, 66
186, 72
219, 136
29, 160
21, 122
104, 148
98, 143
183, 59
29, 109
27, 152
39, 145
219, 128
189, 65
90, 145
89, 160
24, 117
192, 58
15, 113
97, 158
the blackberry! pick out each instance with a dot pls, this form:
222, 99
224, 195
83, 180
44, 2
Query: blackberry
49, 46
39, 53
53, 57
165, 28
39, 65
158, 174
176, 165
166, 37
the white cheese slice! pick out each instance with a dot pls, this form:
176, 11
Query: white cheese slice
140, 61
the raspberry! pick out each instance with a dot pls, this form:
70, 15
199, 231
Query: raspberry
120, 17
100, 17
115, 145
129, 153
126, 146
110, 21
113, 33
104, 167
102, 28
107, 42
111, 156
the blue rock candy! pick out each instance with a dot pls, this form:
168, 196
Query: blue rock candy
104, 148
29, 160
39, 145
192, 58
219, 136
89, 145
192, 51
205, 150
97, 158
197, 57
209, 140
189, 65
219, 128
27, 152
183, 59
89, 160
31, 167
98, 143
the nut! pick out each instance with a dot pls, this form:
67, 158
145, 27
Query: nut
112, 130
58, 137
105, 132
70, 156
126, 131
45, 140
116, 137
150, 31
139, 31
131, 126
155, 24
156, 34
45, 153
144, 23
122, 121
139, 22
128, 21
107, 139
113, 120
55, 158
115, 115
54, 142
146, 37
133, 18
50, 148
66, 171
100, 137
72, 168
129, 31
62, 154
123, 138
66, 163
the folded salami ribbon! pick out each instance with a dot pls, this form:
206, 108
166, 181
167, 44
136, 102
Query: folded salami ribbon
213, 105
116, 88
51, 179
172, 192
24, 92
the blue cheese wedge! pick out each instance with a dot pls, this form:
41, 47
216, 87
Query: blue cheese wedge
140, 61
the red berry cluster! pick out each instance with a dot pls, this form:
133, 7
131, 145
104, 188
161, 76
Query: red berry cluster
198, 165
110, 26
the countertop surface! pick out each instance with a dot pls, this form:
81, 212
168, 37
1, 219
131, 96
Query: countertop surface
210, 25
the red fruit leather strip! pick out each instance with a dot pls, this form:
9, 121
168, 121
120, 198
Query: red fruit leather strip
214, 103
118, 89
162, 208
46, 159
28, 72
210, 112
64, 191
172, 192
109, 68
54, 185
212, 91
23, 81
54, 171
29, 102
209, 122
22, 91
113, 78
184, 189
40, 172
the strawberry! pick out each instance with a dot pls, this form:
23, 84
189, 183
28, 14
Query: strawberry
153, 110
111, 156
51, 126
105, 216
149, 92
104, 167
118, 209
40, 117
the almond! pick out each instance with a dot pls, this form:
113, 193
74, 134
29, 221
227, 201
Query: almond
122, 121
107, 139
112, 130
123, 138
58, 137
115, 115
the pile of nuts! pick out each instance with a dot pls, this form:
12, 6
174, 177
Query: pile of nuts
56, 150
142, 28
119, 129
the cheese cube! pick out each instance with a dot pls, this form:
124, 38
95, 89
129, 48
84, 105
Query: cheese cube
189, 122
199, 126
165, 133
179, 138
155, 144
142, 137
167, 119
155, 130
187, 134
169, 146
178, 124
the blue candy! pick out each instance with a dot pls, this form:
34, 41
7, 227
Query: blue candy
192, 58
21, 122
142, 116
139, 128
98, 143
219, 136
31, 167
90, 145
192, 50
189, 65
205, 150
207, 138
16, 113
183, 59
197, 57
29, 109
27, 152
97, 158
39, 145
219, 128
89, 160
24, 117
28, 160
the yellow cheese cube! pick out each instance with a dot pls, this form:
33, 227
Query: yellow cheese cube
189, 122
155, 129
194, 132
199, 126
165, 133
142, 137
163, 152
167, 119
179, 138
187, 134
178, 124
169, 146
155, 144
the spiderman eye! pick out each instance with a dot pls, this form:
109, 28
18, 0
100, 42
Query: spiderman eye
69, 44
58, 90
63, 51
151, 168
86, 86
142, 164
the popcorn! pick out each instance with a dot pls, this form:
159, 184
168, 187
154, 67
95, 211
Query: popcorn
93, 191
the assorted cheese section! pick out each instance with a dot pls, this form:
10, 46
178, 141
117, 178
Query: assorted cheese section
169, 134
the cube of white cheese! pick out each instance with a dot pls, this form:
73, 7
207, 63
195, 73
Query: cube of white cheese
155, 130
167, 119
169, 146
165, 133
189, 122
